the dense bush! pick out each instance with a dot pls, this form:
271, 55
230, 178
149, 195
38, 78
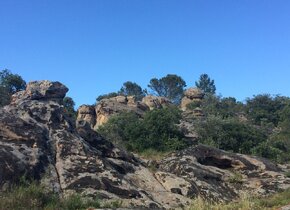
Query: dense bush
157, 130
229, 134
265, 108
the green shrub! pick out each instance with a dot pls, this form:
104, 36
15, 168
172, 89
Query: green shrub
229, 134
157, 130
266, 150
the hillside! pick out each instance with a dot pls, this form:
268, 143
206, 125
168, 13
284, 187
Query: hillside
40, 141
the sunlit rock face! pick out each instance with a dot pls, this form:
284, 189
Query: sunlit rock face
87, 113
191, 95
156, 102
100, 113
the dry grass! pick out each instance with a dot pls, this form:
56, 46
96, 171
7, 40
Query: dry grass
246, 203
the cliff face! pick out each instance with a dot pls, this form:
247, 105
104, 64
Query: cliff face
39, 141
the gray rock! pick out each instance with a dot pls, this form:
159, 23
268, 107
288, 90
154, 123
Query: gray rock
218, 175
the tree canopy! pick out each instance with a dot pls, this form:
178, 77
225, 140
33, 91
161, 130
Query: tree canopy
132, 89
9, 84
170, 86
206, 84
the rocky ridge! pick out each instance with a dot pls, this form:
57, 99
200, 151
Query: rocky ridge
38, 140
100, 113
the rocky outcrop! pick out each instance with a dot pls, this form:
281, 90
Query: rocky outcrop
112, 106
87, 113
191, 95
106, 108
156, 102
39, 141
218, 175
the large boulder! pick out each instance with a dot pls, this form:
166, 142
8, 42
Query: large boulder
156, 102
191, 95
41, 90
115, 105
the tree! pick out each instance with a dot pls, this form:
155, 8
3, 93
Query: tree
171, 87
69, 104
12, 82
132, 89
206, 84
9, 84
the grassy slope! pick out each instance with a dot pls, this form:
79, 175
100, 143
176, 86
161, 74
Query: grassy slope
34, 197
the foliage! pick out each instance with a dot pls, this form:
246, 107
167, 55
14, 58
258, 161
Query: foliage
69, 104
170, 86
109, 95
206, 84
12, 82
9, 84
229, 134
157, 130
264, 108
221, 107
118, 128
132, 89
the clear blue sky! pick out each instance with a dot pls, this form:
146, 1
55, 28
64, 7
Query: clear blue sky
93, 46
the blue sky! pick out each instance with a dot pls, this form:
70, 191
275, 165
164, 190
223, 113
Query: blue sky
93, 46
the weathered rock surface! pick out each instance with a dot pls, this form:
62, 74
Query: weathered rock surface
111, 106
87, 113
191, 95
218, 175
38, 140
106, 108
156, 102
